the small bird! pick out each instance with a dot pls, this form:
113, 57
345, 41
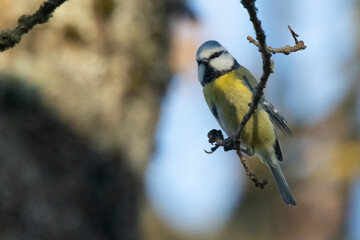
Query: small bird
228, 89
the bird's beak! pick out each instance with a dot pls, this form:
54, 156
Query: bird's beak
206, 60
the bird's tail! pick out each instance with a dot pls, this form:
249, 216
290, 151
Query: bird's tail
282, 185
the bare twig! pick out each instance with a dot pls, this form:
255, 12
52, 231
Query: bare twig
266, 56
299, 45
295, 35
9, 38
267, 69
261, 184
216, 137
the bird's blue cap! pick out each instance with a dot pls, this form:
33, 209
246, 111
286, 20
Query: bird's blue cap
208, 45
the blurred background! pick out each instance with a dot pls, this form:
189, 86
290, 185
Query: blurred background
103, 123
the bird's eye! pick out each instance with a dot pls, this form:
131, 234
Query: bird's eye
217, 54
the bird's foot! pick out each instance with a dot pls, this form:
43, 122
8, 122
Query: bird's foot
215, 137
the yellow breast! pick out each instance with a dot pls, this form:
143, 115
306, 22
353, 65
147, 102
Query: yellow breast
231, 99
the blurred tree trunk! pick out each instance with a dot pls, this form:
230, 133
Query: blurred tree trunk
73, 156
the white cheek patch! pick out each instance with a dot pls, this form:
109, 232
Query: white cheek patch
222, 63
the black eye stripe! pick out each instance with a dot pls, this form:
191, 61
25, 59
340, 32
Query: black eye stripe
215, 55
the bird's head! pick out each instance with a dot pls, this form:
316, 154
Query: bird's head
213, 61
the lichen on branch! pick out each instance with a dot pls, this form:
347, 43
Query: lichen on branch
9, 38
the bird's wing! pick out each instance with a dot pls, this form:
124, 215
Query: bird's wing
278, 119
250, 81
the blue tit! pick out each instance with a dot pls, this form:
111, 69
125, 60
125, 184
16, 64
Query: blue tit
228, 89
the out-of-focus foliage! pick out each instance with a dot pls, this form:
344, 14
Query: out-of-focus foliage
80, 98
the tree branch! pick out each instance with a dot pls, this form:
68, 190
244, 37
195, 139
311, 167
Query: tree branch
9, 38
216, 137
266, 57
299, 45
267, 69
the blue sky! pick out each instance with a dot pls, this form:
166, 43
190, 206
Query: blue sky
191, 189
353, 221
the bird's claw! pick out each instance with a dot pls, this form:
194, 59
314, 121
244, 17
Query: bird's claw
262, 184
215, 137
213, 149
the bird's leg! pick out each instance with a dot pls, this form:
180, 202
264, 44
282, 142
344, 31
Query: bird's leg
217, 138
229, 144
249, 151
